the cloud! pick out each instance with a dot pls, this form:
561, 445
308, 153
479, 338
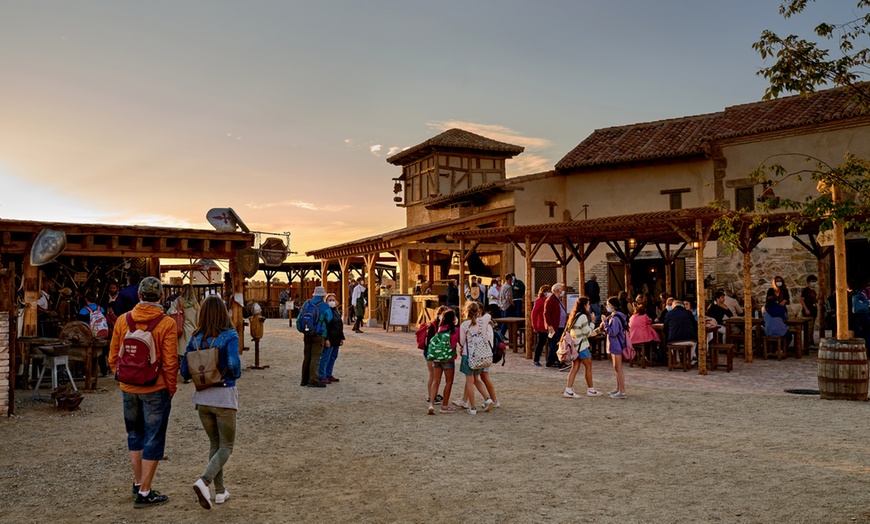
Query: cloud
348, 141
375, 149
297, 203
531, 161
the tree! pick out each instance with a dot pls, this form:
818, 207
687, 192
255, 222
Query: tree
803, 65
843, 199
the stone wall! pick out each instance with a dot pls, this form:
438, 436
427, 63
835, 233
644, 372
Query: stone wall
5, 363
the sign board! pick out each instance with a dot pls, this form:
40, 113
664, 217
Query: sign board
826, 238
400, 310
80, 277
571, 300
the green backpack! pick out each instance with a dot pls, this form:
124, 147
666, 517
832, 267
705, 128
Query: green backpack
440, 349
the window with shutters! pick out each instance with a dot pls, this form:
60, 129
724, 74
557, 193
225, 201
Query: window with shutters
744, 198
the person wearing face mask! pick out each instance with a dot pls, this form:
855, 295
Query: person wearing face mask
779, 292
555, 316
538, 323
667, 306
614, 325
334, 339
810, 304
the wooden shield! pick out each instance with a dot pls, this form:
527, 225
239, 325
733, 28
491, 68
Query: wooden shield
273, 251
48, 245
247, 262
223, 219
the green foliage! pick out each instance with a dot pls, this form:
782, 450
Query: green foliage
802, 65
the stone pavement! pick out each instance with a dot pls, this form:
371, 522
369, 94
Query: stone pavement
767, 377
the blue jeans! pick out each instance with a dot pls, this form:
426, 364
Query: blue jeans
552, 359
146, 416
327, 359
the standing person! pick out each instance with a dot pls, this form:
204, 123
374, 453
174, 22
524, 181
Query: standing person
431, 329
129, 296
554, 320
351, 313
810, 306
313, 311
492, 292
290, 306
189, 305
108, 303
452, 301
334, 339
44, 313
217, 405
581, 322
447, 323
779, 292
475, 325
859, 319
146, 408
506, 300
359, 304
614, 326
593, 291
538, 323
518, 288
283, 297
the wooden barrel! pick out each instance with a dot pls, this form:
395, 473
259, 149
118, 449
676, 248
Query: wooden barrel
843, 372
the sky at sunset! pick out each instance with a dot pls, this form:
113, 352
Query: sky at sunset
133, 112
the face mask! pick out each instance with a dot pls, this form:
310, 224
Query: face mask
331, 303
609, 308
778, 284
669, 308
548, 294
813, 284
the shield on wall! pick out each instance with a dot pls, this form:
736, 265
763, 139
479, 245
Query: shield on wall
48, 245
247, 262
273, 251
222, 219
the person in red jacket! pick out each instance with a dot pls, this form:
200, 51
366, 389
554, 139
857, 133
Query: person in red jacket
538, 322
555, 316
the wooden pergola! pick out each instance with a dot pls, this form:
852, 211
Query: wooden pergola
429, 242
627, 235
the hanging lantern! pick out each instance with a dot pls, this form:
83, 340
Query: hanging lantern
397, 187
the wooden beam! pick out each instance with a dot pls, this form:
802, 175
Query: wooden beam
518, 247
701, 299
747, 307
840, 283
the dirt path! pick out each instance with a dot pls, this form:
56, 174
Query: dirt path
681, 448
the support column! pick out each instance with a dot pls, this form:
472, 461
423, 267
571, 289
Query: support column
343, 264
581, 270
30, 275
669, 267
461, 277
404, 280
700, 298
371, 259
527, 300
747, 306
840, 284
236, 308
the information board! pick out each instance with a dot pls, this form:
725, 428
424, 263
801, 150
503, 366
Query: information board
400, 310
572, 298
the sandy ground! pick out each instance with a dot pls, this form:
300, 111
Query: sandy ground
682, 448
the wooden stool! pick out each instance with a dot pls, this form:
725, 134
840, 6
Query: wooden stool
685, 351
729, 350
643, 351
778, 343
521, 338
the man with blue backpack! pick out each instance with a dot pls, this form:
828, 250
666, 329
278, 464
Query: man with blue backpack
311, 322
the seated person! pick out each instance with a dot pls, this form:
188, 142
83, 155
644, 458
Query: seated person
640, 328
775, 316
732, 304
718, 311
681, 326
668, 306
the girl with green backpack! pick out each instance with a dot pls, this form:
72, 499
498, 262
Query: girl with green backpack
441, 352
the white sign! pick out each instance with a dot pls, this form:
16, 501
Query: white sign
572, 298
400, 310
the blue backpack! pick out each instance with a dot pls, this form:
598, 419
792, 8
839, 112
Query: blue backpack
309, 316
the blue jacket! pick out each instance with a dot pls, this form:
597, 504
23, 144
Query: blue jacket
324, 315
614, 325
127, 299
774, 320
680, 324
228, 351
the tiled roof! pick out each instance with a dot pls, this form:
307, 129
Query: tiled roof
455, 139
686, 137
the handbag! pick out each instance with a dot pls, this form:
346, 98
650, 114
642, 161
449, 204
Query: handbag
203, 366
479, 351
628, 352
178, 316
567, 351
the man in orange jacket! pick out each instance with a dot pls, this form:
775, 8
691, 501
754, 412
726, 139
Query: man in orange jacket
146, 408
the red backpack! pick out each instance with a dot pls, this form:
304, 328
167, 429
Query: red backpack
422, 335
138, 364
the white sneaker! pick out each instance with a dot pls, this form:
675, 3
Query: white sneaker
472, 411
487, 405
202, 493
592, 392
459, 403
496, 404
618, 394
570, 393
431, 409
220, 498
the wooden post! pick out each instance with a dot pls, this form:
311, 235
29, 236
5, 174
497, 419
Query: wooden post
527, 299
627, 275
700, 299
461, 277
565, 272
843, 332
430, 274
669, 264
404, 276
581, 269
370, 284
747, 306
343, 264
30, 275
236, 308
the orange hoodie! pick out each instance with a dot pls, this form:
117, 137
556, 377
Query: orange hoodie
165, 338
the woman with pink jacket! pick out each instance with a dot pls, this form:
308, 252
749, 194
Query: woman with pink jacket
640, 328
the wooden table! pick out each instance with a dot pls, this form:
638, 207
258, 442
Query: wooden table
801, 328
88, 353
513, 324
